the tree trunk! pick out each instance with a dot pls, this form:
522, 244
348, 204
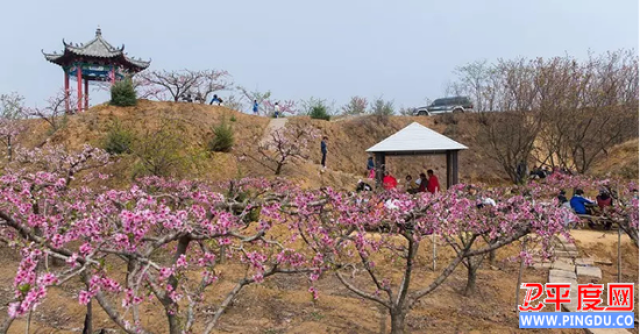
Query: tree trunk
397, 322
492, 257
278, 169
383, 319
88, 326
472, 270
171, 307
524, 249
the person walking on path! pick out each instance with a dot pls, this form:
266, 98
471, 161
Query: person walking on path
277, 110
323, 150
255, 107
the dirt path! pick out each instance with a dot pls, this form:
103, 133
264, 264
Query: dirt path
275, 124
570, 267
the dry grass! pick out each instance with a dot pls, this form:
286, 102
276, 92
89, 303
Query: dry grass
620, 161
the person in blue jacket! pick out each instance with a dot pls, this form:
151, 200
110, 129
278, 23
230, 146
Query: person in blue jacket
255, 107
215, 99
580, 204
323, 150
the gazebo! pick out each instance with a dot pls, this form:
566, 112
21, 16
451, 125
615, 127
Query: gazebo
416, 139
96, 60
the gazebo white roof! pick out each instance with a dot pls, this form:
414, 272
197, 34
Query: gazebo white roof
416, 138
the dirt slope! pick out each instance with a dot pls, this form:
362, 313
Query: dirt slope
620, 161
348, 142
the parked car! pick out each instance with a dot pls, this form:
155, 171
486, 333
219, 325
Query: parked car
456, 104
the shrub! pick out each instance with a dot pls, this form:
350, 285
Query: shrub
319, 111
160, 152
233, 118
123, 94
222, 140
118, 139
382, 109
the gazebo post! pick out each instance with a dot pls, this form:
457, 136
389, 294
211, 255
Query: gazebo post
86, 94
67, 107
79, 78
380, 167
452, 168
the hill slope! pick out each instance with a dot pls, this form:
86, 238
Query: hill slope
621, 160
348, 140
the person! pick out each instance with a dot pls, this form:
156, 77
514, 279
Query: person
199, 98
481, 201
255, 107
371, 168
363, 186
409, 185
187, 97
422, 183
604, 200
276, 109
389, 182
562, 199
521, 171
433, 185
579, 204
323, 150
216, 99
635, 193
392, 204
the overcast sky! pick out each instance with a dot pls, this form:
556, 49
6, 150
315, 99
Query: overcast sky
404, 50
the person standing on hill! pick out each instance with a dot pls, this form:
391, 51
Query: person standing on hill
216, 99
276, 109
323, 150
371, 168
255, 107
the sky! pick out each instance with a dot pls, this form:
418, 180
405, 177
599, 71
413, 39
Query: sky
403, 50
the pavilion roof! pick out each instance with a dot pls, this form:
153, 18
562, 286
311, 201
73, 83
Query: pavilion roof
96, 48
416, 138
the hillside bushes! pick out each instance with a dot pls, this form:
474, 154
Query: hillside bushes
123, 94
223, 138
320, 112
118, 140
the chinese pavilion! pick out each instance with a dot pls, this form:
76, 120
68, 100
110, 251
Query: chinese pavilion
95, 60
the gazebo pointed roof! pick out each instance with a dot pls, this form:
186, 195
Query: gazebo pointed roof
416, 138
97, 49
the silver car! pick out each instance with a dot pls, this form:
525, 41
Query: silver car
458, 104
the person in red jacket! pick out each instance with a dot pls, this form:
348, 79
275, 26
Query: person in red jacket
389, 182
433, 185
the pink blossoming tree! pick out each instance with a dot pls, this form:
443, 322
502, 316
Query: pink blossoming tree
337, 228
285, 144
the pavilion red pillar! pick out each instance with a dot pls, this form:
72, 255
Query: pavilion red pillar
113, 75
66, 91
79, 77
86, 94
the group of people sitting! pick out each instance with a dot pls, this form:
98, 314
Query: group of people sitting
584, 206
425, 183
